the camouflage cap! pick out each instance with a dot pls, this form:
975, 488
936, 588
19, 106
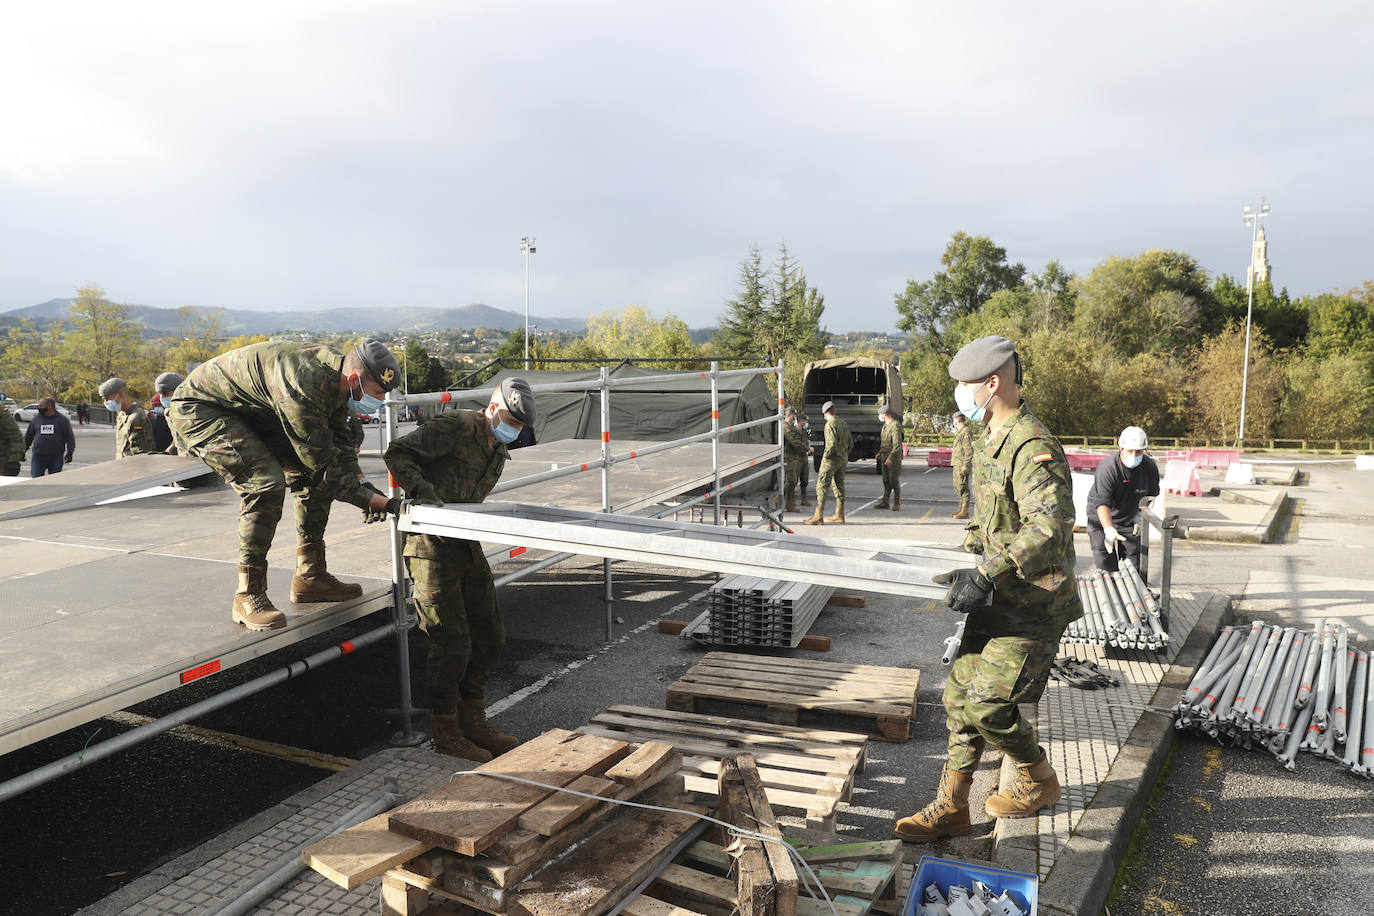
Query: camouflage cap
111, 385
379, 363
167, 382
517, 397
980, 358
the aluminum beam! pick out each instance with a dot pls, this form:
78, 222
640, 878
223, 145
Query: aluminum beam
875, 566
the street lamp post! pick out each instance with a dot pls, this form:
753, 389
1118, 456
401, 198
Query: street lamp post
1252, 219
527, 249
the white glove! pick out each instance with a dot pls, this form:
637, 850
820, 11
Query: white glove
1111, 535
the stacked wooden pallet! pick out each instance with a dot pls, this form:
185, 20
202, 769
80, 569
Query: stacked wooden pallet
787, 686
805, 770
508, 847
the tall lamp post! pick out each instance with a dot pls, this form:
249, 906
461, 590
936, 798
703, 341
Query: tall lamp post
1252, 219
527, 249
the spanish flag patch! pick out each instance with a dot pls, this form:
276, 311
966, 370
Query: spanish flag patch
1043, 456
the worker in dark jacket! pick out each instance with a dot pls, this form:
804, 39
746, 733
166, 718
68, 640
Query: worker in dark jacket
51, 437
1121, 482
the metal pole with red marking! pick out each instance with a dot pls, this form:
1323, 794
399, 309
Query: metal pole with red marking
606, 491
401, 621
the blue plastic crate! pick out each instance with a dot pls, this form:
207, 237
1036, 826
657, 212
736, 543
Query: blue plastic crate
945, 872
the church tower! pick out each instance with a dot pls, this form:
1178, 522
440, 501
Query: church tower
1258, 271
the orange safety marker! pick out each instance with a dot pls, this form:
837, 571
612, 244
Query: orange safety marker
199, 671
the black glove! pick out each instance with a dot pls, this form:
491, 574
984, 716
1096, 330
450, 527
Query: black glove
392, 507
70, 457
426, 495
968, 589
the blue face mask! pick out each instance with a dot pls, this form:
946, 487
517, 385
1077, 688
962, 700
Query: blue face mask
112, 406
504, 432
968, 402
365, 403
1133, 461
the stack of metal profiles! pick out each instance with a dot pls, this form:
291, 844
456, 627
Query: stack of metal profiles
1285, 691
750, 611
1118, 610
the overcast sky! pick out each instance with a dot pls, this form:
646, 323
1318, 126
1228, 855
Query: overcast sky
285, 155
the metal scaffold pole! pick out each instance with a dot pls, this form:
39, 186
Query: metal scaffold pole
606, 494
782, 452
408, 736
715, 436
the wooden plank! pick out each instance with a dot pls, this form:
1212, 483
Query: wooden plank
835, 881
780, 779
746, 725
401, 899
602, 872
784, 873
469, 813
359, 854
774, 662
820, 806
789, 683
691, 884
828, 765
644, 762
644, 905
845, 601
733, 736
848, 852
559, 810
738, 694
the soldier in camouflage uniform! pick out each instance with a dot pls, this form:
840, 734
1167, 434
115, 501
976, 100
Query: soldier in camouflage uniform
795, 451
962, 461
273, 415
11, 444
890, 459
133, 432
1019, 598
834, 460
457, 457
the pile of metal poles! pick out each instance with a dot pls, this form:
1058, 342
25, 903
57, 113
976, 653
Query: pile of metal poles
1118, 610
1287, 691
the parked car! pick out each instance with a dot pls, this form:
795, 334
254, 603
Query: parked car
29, 411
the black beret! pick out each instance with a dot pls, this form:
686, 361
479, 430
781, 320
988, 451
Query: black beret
380, 364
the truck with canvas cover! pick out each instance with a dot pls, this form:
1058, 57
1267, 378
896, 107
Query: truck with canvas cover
857, 387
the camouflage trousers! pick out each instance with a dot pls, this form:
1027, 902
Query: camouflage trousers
961, 483
260, 467
791, 479
892, 478
830, 478
990, 677
456, 601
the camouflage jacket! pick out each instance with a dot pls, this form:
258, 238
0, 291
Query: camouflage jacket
962, 455
795, 446
453, 453
133, 433
286, 390
11, 439
1023, 521
838, 442
890, 445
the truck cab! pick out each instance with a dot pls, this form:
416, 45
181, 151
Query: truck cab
857, 387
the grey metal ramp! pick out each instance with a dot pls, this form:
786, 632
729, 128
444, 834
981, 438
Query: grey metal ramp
892, 567
105, 629
86, 486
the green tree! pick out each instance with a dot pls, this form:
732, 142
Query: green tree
102, 340
1158, 301
746, 314
1216, 377
1149, 390
926, 384
196, 338
1327, 397
974, 269
1285, 321
1343, 323
1061, 382
423, 372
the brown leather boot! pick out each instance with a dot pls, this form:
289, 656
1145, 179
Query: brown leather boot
838, 517
896, 502
963, 510
803, 501
946, 816
790, 507
1036, 786
882, 503
472, 715
313, 582
449, 739
252, 607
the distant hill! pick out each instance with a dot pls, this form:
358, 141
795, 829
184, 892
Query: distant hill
399, 319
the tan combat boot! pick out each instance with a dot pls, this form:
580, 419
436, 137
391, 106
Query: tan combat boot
838, 517
946, 816
252, 607
815, 518
1036, 786
896, 504
449, 739
472, 715
313, 582
963, 510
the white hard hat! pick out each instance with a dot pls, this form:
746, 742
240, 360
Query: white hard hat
1134, 438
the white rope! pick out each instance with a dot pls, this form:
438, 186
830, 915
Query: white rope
730, 829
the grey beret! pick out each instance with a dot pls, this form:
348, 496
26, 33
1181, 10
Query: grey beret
978, 359
827, 407
380, 364
167, 381
790, 412
519, 399
111, 385
886, 411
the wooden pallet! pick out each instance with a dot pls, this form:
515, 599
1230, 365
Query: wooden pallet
807, 770
786, 686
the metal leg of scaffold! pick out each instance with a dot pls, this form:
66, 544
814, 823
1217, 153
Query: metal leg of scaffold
409, 735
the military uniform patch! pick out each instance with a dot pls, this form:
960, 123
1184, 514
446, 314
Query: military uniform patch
1043, 456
